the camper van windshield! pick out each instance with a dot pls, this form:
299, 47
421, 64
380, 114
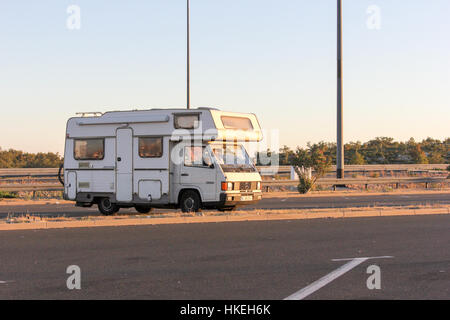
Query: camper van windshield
233, 158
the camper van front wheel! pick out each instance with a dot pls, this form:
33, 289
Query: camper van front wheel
106, 207
190, 201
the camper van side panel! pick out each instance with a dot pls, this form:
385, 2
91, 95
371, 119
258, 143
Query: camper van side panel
151, 171
92, 176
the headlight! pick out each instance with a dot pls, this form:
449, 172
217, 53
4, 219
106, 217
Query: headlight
227, 186
258, 185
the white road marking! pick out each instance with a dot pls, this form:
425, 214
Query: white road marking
313, 287
7, 281
347, 259
283, 200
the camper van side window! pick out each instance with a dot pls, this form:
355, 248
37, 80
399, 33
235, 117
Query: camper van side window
150, 147
186, 121
89, 149
196, 157
236, 123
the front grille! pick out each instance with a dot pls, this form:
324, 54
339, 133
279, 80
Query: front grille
245, 186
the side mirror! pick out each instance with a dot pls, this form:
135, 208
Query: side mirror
207, 161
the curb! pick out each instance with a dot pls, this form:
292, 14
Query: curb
262, 215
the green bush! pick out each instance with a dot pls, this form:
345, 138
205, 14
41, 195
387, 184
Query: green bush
305, 184
19, 159
7, 195
381, 150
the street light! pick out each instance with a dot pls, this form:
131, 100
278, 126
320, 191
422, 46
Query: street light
188, 100
340, 123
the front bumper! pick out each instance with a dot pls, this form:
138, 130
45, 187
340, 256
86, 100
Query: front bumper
240, 198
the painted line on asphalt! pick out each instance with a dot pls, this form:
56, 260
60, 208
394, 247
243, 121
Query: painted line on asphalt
7, 281
347, 259
313, 287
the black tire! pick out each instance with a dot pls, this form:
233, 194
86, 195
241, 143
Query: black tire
61, 174
106, 207
190, 201
143, 209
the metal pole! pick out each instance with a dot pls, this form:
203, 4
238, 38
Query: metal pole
188, 102
340, 123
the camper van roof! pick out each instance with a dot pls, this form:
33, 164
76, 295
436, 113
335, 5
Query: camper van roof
214, 124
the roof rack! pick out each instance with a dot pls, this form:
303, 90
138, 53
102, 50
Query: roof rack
93, 113
207, 108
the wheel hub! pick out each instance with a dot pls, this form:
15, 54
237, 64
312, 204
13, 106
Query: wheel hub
189, 203
107, 203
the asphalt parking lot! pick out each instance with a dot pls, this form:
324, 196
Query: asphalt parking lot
235, 260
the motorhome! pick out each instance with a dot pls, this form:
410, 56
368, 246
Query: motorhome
161, 158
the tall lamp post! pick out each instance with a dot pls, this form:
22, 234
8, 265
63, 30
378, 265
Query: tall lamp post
188, 93
340, 123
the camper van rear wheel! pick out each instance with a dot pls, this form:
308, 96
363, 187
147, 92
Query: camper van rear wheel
190, 201
106, 207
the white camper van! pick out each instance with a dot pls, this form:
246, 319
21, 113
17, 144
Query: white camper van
176, 158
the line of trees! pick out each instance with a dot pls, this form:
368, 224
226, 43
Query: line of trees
19, 159
381, 150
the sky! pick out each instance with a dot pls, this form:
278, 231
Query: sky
276, 59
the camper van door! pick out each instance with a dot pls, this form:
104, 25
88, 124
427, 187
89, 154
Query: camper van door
198, 171
124, 165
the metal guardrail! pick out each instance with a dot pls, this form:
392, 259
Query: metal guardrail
47, 174
350, 181
364, 168
28, 172
52, 172
31, 187
267, 184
